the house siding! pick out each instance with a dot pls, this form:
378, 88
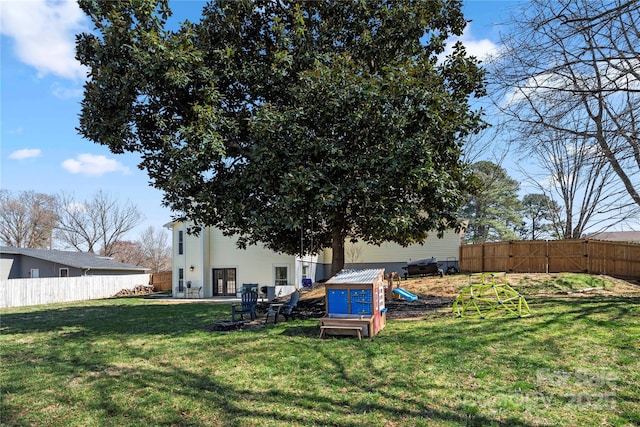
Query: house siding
19, 266
9, 266
392, 257
211, 249
253, 265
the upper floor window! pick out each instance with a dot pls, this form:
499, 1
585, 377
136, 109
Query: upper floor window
180, 242
64, 272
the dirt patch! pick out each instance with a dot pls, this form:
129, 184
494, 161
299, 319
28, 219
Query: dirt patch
434, 294
231, 326
439, 293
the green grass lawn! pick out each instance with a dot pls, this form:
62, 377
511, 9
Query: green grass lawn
141, 362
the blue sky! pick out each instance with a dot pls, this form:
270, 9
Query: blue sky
41, 90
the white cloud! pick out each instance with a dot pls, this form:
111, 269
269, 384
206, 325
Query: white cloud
66, 93
480, 48
44, 34
76, 207
25, 153
92, 165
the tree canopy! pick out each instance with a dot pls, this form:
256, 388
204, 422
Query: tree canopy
493, 211
276, 120
96, 224
570, 69
27, 219
539, 213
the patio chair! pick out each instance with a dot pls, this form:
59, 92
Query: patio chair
281, 308
247, 306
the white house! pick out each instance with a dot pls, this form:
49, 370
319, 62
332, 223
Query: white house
209, 264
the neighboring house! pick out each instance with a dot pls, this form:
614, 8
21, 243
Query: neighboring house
617, 236
24, 263
211, 263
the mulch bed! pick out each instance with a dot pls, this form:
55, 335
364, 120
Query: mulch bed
314, 308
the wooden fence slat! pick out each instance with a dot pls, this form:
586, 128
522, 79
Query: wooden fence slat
162, 281
49, 290
553, 256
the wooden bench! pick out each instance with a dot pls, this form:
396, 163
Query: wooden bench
358, 329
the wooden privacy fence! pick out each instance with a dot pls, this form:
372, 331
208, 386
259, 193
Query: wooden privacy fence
48, 290
162, 281
553, 256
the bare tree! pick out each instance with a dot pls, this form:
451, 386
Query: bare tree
156, 249
128, 252
573, 172
572, 67
96, 224
27, 219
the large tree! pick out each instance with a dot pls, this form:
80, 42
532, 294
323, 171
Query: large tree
27, 219
96, 224
279, 119
538, 213
572, 67
151, 250
156, 248
571, 170
493, 212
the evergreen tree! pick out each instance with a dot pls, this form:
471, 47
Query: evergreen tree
493, 211
538, 214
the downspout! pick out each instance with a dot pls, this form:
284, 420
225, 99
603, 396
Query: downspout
202, 256
185, 269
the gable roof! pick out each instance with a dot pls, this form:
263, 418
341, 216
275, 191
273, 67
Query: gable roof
620, 236
359, 277
82, 260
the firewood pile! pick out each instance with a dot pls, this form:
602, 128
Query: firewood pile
138, 290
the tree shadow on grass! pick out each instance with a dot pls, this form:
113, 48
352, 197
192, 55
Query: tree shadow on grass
198, 398
116, 317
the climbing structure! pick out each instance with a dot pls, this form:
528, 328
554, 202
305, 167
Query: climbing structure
489, 294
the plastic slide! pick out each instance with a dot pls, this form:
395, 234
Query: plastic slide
405, 294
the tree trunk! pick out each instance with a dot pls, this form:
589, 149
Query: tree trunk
337, 248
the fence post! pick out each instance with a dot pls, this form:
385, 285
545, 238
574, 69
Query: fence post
546, 257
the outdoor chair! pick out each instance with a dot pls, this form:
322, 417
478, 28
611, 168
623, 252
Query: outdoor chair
248, 306
281, 308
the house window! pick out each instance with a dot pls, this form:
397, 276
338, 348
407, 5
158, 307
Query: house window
34, 273
64, 272
305, 271
281, 274
181, 279
180, 242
